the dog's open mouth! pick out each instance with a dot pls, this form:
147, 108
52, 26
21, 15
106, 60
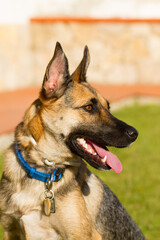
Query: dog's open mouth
97, 156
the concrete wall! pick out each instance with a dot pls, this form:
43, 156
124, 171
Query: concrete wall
19, 11
120, 53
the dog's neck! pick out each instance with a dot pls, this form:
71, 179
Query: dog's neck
53, 164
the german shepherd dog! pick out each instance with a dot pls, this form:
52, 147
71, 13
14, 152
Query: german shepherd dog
46, 190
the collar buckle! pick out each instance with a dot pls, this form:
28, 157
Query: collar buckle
55, 176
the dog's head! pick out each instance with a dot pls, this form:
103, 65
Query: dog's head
77, 117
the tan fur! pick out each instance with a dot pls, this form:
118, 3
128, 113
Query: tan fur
27, 195
28, 200
50, 120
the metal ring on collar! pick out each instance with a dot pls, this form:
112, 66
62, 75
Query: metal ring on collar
48, 194
49, 183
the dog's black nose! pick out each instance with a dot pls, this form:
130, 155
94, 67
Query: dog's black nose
132, 133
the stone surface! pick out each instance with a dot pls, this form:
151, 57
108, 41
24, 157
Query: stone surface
120, 53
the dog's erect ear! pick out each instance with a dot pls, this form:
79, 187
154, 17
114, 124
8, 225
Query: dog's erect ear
56, 76
79, 74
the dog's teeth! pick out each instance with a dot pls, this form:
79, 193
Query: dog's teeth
81, 141
104, 159
85, 145
92, 152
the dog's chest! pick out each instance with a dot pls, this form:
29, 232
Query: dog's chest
28, 199
39, 227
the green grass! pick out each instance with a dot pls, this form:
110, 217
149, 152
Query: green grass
138, 186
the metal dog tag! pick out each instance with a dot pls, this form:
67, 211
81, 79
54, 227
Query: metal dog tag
49, 202
52, 209
47, 206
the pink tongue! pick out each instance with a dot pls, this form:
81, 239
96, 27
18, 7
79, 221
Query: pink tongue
111, 159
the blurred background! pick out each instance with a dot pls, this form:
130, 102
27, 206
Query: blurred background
123, 37
121, 52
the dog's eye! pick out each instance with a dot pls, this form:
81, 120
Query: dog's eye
89, 107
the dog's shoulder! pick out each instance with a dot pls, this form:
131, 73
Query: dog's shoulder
91, 188
113, 221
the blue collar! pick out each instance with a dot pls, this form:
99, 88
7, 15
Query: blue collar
55, 176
